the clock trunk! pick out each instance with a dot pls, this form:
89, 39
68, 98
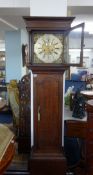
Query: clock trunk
47, 154
48, 112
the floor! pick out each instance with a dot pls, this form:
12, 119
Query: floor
19, 164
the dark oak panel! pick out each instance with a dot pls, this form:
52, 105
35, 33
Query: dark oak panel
48, 130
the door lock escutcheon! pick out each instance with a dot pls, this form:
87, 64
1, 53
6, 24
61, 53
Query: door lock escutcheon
38, 113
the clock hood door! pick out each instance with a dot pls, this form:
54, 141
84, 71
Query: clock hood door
75, 42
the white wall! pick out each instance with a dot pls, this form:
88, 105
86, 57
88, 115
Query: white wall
48, 7
24, 40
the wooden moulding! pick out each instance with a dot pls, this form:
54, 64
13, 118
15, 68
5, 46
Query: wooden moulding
48, 23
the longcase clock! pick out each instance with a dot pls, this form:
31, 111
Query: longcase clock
48, 50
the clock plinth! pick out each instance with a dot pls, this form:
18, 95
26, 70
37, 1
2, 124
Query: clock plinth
48, 163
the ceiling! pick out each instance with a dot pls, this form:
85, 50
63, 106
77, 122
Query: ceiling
82, 14
83, 10
10, 19
13, 16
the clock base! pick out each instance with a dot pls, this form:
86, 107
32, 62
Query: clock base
48, 164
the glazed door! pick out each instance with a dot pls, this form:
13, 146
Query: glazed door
48, 111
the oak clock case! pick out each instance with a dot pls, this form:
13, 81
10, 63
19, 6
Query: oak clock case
49, 50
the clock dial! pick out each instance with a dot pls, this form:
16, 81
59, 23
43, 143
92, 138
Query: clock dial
48, 48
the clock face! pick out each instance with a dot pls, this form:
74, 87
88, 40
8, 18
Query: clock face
48, 48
